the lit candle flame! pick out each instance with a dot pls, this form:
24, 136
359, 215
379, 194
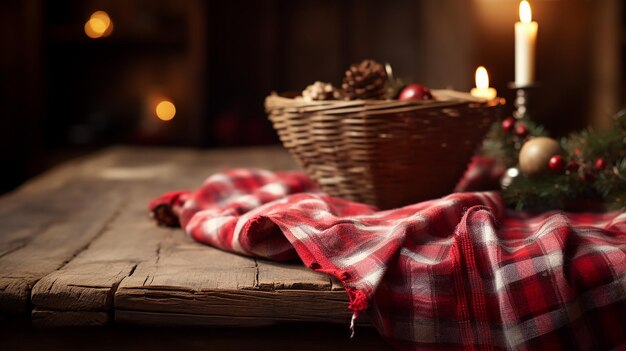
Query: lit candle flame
525, 15
482, 78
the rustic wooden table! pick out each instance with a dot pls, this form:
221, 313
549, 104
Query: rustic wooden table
78, 249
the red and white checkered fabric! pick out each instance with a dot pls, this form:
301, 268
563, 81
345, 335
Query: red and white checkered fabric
454, 273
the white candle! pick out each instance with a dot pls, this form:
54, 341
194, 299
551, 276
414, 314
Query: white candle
525, 39
482, 89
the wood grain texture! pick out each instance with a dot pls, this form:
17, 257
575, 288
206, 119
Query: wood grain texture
237, 307
78, 248
281, 276
173, 319
46, 247
88, 281
188, 281
46, 222
56, 319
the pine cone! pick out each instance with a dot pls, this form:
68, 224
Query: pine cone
366, 81
321, 91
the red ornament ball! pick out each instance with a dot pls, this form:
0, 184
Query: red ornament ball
573, 166
508, 124
521, 130
600, 163
415, 92
556, 163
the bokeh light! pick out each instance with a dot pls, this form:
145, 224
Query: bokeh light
99, 25
165, 110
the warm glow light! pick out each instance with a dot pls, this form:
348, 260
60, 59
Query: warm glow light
99, 25
482, 78
482, 90
512, 172
525, 15
165, 110
103, 17
90, 31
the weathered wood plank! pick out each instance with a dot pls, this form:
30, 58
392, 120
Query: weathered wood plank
146, 163
22, 218
43, 318
336, 284
44, 223
216, 287
192, 279
162, 319
15, 239
180, 271
88, 281
241, 307
48, 221
231, 308
50, 249
147, 274
290, 276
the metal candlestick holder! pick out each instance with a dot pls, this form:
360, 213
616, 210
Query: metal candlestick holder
523, 97
522, 109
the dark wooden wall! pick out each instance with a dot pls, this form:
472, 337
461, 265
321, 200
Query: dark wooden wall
65, 94
436, 42
21, 90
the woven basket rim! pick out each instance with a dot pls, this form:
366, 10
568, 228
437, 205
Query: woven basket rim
443, 98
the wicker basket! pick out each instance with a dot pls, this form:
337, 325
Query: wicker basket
385, 153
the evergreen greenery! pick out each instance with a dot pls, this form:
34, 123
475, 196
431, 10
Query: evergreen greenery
590, 181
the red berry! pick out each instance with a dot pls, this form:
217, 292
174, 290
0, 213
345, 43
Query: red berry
556, 163
577, 151
600, 163
415, 92
573, 166
521, 130
508, 124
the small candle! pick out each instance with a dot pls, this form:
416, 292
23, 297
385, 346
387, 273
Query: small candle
482, 89
525, 39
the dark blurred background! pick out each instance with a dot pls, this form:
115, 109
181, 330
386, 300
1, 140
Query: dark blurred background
64, 93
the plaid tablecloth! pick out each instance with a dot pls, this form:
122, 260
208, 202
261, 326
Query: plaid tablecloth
454, 273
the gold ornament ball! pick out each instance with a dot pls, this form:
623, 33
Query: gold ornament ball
535, 155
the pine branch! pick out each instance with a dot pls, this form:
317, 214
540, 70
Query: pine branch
601, 175
504, 146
